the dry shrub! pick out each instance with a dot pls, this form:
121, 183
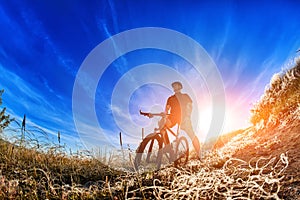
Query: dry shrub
280, 100
4, 119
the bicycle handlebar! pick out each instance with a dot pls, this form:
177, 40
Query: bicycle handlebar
162, 114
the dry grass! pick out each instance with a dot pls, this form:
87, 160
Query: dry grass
236, 179
4, 119
281, 98
261, 162
29, 174
26, 173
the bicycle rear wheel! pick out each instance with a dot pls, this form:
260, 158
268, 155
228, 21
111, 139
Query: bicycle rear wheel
181, 152
148, 154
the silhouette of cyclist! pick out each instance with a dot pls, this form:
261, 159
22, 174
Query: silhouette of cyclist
179, 107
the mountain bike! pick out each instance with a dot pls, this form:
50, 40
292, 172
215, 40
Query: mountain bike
156, 148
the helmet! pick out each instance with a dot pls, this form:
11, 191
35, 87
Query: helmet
177, 83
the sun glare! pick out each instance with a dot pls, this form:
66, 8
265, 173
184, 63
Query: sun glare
204, 122
231, 122
234, 120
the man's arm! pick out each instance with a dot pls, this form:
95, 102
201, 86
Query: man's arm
167, 109
168, 106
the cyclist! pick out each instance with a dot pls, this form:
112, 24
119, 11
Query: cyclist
179, 108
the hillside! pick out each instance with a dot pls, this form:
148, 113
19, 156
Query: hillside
276, 128
272, 143
260, 162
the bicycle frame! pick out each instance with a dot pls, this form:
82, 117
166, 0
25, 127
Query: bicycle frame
160, 136
169, 130
164, 132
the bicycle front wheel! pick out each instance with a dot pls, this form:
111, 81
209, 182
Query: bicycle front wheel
149, 153
181, 152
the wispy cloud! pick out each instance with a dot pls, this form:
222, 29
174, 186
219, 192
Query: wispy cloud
44, 106
110, 28
22, 98
94, 136
219, 50
16, 86
29, 32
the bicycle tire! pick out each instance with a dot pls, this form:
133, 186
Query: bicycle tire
181, 152
153, 156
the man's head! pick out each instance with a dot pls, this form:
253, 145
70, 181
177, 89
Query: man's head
177, 86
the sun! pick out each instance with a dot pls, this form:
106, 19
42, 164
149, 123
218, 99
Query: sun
234, 120
203, 123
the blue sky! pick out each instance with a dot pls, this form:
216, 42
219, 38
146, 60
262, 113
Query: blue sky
44, 43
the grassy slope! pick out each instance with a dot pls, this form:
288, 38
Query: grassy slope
276, 129
242, 164
26, 173
263, 161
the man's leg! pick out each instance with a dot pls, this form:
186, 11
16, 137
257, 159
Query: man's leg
196, 145
187, 127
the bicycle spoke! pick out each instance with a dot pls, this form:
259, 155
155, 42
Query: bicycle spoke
149, 152
182, 151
